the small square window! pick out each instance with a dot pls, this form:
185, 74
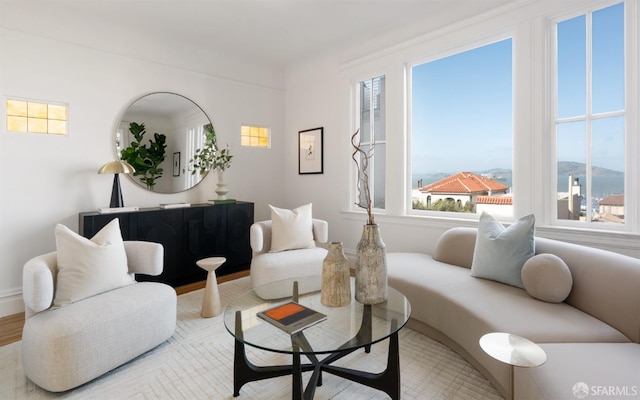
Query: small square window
255, 136
36, 117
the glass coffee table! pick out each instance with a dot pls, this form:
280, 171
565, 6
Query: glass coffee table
345, 330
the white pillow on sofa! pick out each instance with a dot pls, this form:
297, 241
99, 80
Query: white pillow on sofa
501, 252
89, 267
546, 277
291, 229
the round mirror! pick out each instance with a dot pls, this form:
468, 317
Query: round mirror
159, 134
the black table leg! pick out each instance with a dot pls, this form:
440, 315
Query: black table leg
244, 371
388, 380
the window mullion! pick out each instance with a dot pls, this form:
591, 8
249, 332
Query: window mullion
372, 132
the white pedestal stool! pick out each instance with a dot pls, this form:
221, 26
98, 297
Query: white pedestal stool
211, 302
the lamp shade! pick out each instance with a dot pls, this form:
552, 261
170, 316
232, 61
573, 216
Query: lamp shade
117, 167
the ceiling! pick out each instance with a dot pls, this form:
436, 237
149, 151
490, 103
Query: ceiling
273, 32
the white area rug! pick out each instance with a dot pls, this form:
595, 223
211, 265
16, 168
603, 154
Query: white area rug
197, 363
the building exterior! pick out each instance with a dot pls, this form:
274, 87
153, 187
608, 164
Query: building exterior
611, 208
463, 188
569, 202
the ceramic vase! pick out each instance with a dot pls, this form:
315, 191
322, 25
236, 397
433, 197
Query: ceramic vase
221, 186
371, 267
336, 283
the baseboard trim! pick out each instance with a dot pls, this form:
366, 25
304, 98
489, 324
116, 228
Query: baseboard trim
11, 304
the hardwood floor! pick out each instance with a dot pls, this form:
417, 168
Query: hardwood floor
11, 326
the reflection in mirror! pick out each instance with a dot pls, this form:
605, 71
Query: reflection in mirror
162, 120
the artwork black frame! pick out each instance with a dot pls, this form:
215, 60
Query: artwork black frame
311, 151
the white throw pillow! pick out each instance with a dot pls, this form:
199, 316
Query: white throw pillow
89, 267
291, 229
501, 252
546, 277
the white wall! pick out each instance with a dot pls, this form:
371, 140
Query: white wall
45, 180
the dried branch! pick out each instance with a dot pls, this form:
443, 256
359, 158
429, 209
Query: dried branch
363, 176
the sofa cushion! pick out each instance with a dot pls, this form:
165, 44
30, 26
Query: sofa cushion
71, 345
291, 229
268, 268
501, 252
89, 267
546, 277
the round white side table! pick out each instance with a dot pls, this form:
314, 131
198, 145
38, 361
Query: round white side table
513, 350
211, 302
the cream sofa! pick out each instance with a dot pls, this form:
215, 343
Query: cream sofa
590, 338
64, 347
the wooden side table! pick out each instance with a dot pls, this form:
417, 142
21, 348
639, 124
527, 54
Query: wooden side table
211, 302
513, 350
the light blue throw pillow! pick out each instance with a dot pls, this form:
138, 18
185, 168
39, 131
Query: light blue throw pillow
501, 252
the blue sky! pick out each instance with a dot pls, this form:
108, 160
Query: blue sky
462, 104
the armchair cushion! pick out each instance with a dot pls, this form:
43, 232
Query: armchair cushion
291, 229
89, 267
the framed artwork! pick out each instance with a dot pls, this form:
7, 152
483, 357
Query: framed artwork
310, 151
176, 163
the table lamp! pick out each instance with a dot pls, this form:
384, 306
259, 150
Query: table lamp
116, 168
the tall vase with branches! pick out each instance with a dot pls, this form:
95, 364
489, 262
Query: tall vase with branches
371, 259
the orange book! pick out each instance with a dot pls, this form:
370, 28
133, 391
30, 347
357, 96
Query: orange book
292, 317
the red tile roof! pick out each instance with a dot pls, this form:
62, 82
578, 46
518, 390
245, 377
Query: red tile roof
501, 200
613, 200
464, 182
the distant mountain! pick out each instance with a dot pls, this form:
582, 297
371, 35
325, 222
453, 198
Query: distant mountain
564, 168
578, 169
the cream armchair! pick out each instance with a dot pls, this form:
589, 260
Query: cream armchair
269, 267
64, 347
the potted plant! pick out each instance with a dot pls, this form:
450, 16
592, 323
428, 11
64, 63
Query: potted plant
371, 259
211, 158
145, 158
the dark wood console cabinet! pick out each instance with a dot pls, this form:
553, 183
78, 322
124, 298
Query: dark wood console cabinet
188, 234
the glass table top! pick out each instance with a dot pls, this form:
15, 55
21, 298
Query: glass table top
352, 326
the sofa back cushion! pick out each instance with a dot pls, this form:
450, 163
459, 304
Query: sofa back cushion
456, 247
605, 284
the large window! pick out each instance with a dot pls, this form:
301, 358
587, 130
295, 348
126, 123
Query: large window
461, 131
372, 138
590, 116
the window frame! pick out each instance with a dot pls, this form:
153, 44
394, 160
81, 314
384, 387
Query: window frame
528, 25
266, 129
449, 52
27, 117
631, 141
357, 116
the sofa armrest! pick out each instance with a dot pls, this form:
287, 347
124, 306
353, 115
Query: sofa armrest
320, 230
456, 247
38, 278
144, 257
260, 237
